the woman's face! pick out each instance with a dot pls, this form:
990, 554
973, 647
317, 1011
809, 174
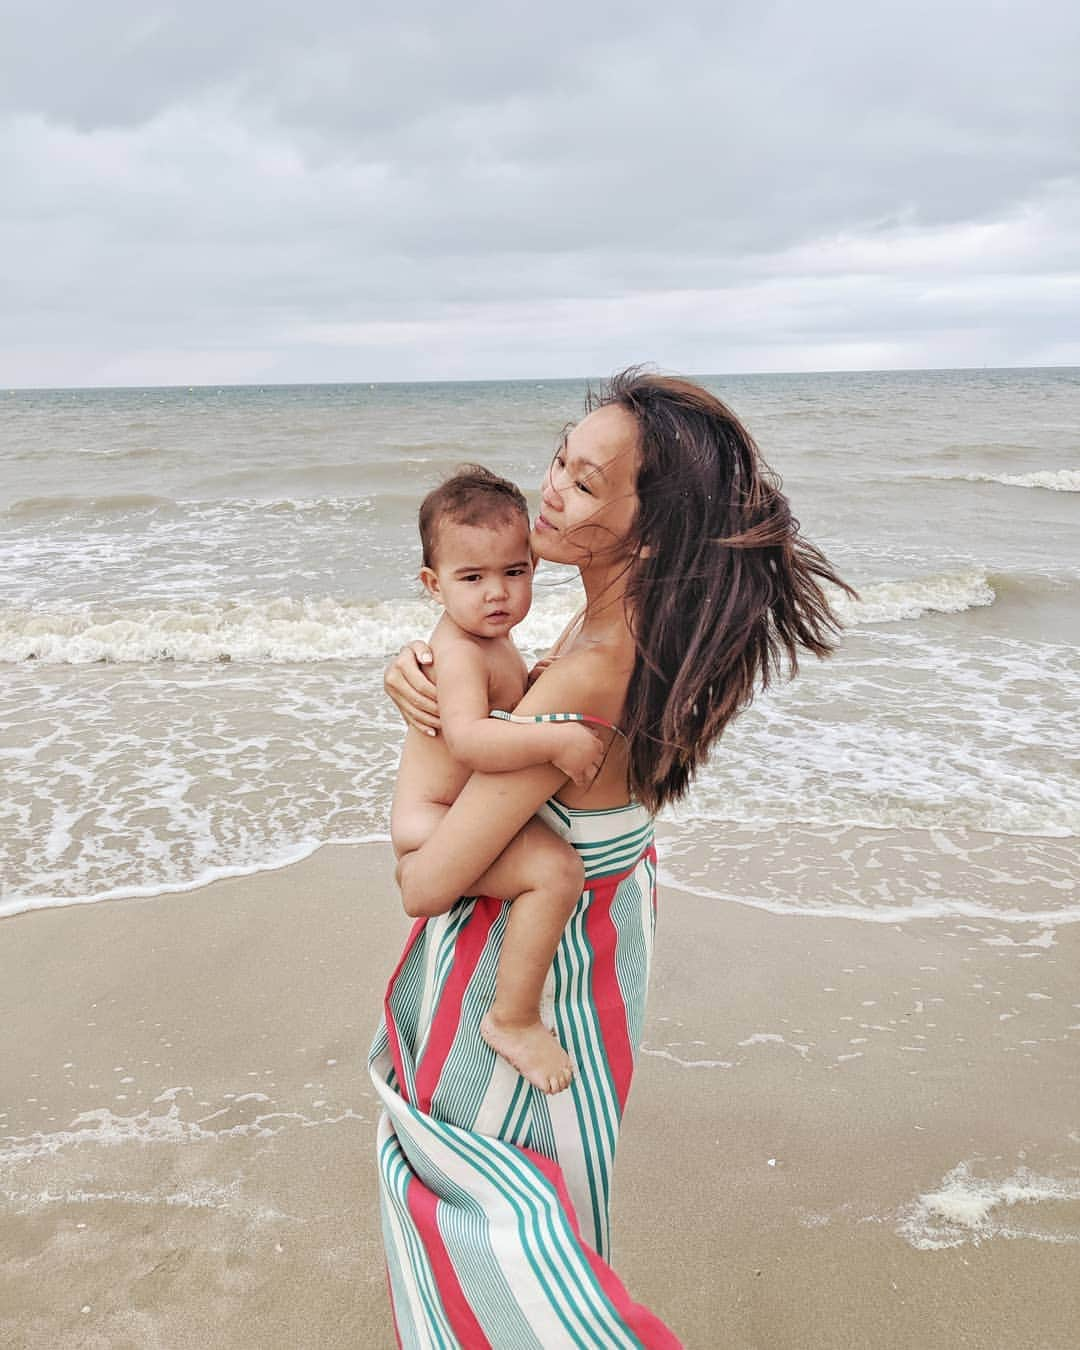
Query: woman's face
589, 497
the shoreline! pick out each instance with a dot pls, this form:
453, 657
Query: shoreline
293, 854
187, 1126
1017, 851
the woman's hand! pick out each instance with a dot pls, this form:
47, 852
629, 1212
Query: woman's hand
538, 670
411, 690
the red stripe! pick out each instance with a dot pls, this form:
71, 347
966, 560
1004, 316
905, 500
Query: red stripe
607, 997
423, 1208
648, 1328
468, 949
616, 877
600, 722
391, 1024
393, 1310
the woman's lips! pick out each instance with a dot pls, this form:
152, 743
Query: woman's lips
542, 523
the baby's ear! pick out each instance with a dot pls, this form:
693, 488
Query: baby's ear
430, 581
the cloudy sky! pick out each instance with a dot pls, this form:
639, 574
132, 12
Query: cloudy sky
252, 192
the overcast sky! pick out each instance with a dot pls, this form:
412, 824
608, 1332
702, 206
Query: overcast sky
252, 192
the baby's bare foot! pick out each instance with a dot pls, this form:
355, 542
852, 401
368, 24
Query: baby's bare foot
532, 1050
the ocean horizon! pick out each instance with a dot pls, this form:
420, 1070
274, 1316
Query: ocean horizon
524, 379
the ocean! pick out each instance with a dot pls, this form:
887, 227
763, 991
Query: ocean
201, 588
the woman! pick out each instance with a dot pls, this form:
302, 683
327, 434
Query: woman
697, 585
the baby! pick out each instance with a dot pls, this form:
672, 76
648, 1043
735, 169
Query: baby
474, 530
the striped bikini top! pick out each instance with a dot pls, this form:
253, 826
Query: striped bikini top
557, 717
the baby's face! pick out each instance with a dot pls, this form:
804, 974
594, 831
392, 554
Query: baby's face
482, 575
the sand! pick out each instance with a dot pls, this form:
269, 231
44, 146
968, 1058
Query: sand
186, 1144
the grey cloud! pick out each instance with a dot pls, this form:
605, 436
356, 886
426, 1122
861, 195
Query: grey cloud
230, 176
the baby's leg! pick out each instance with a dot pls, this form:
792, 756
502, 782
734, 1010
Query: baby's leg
543, 877
414, 825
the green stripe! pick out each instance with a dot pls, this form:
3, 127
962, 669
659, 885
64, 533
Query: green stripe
591, 1085
447, 938
466, 1072
397, 1174
402, 1307
601, 869
467, 1238
633, 841
519, 1102
542, 1134
557, 809
538, 717
501, 1179
571, 1034
613, 841
554, 1218
586, 811
466, 1230
531, 1199
399, 1177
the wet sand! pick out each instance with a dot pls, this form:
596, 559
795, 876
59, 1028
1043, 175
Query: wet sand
187, 1124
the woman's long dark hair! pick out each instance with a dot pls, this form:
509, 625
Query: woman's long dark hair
722, 588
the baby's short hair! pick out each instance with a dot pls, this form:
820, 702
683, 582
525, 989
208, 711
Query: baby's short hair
472, 495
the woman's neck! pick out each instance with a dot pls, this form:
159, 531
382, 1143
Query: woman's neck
606, 618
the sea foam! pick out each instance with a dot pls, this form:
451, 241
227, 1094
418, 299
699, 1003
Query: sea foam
287, 629
103, 1128
966, 1208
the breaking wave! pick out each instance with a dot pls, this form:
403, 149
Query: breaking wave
280, 630
69, 504
286, 629
939, 593
1054, 480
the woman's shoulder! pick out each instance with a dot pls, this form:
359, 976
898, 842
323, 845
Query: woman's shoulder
592, 681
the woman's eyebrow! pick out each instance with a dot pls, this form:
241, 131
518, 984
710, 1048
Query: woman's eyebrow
580, 462
591, 464
576, 456
579, 458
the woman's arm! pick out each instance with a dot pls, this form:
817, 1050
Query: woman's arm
488, 813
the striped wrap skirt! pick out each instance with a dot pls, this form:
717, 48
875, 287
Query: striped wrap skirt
494, 1196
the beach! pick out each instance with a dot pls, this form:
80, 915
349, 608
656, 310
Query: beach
840, 1133
855, 1120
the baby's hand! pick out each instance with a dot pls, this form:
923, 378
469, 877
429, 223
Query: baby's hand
580, 754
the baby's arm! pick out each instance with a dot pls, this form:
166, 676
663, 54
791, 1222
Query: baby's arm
489, 745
